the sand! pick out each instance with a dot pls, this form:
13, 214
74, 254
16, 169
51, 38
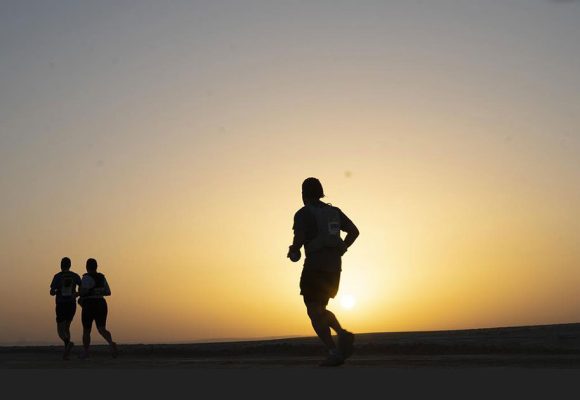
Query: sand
531, 347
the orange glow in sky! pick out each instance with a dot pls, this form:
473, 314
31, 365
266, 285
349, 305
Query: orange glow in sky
169, 142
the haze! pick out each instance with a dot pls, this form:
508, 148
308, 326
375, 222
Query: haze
169, 140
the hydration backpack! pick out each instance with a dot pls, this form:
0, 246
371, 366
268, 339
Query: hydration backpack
99, 280
328, 224
67, 285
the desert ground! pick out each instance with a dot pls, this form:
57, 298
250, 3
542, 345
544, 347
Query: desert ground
555, 347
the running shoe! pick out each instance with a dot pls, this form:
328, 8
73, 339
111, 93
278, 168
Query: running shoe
67, 350
346, 343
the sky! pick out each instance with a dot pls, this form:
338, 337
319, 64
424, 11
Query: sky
169, 141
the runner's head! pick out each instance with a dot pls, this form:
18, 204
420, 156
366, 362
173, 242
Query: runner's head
312, 189
91, 265
65, 264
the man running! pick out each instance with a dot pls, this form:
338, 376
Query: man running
64, 287
317, 227
94, 287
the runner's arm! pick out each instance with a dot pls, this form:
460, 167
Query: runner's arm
299, 234
351, 230
53, 286
351, 236
297, 242
78, 283
106, 289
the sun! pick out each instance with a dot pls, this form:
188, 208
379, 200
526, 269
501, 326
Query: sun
347, 301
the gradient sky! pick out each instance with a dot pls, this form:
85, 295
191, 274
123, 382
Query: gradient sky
169, 140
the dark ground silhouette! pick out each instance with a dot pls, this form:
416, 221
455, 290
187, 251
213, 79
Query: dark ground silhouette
546, 346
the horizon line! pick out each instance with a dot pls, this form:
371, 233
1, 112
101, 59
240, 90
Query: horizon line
278, 337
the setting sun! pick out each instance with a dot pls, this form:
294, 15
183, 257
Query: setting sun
347, 301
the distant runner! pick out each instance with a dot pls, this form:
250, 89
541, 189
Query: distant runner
64, 286
317, 227
94, 287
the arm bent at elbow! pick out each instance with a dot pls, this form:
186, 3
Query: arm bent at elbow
351, 234
106, 289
